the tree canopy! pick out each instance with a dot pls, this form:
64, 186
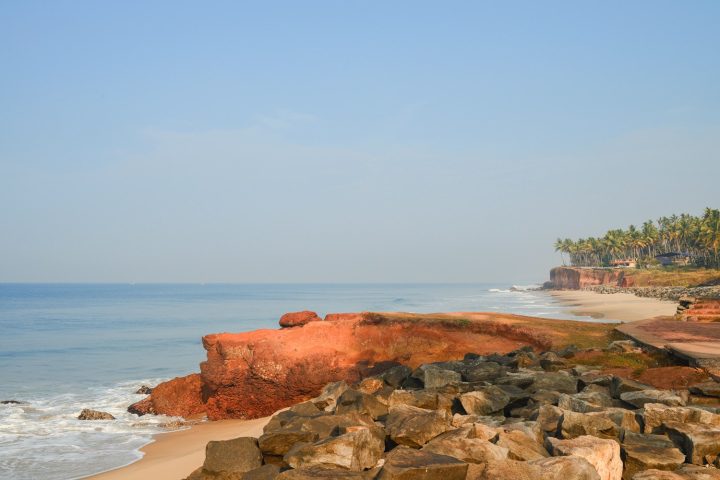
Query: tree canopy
696, 236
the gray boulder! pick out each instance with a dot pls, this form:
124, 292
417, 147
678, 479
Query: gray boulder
88, 414
352, 401
641, 397
695, 440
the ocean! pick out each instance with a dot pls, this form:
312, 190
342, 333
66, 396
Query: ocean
65, 347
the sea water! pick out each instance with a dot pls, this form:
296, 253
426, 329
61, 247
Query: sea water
65, 347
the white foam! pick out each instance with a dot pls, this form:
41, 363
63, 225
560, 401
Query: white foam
44, 439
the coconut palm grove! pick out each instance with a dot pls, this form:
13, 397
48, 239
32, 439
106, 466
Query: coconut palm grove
696, 239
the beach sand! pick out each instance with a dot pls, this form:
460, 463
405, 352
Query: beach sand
614, 306
174, 455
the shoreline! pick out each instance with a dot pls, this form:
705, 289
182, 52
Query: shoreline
623, 307
175, 455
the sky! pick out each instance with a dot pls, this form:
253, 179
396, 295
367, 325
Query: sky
338, 141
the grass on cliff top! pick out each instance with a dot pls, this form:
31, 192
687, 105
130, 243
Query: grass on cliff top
674, 277
544, 333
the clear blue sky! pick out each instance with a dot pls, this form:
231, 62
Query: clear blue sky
345, 141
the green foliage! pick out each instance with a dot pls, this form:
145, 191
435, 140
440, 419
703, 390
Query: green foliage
698, 236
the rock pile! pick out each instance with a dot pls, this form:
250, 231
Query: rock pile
673, 294
517, 416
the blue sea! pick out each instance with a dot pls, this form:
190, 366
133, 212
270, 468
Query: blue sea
64, 347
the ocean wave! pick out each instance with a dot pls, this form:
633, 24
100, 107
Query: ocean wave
44, 439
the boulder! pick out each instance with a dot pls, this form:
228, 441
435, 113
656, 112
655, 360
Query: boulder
552, 362
396, 375
421, 398
641, 397
481, 371
234, 456
404, 463
484, 400
279, 442
413, 426
358, 448
463, 445
552, 468
298, 319
585, 402
87, 414
437, 377
694, 439
622, 346
358, 402
603, 455
626, 420
685, 472
521, 446
554, 381
619, 385
327, 400
549, 417
266, 472
708, 389
371, 385
655, 415
645, 452
325, 471
573, 424
143, 390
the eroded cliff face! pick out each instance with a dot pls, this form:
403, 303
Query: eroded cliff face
253, 374
573, 278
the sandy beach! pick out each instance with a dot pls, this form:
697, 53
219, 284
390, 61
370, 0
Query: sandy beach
174, 455
625, 307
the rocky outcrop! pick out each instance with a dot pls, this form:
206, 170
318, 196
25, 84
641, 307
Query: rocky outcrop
88, 414
298, 319
575, 278
253, 374
502, 428
179, 397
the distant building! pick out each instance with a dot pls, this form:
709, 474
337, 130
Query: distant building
628, 262
673, 258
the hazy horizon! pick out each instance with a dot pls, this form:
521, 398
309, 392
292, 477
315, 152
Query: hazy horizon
330, 142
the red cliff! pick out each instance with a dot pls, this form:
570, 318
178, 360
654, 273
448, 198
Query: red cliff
573, 278
253, 374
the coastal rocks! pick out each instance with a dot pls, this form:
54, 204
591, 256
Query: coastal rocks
144, 390
432, 425
656, 415
229, 459
413, 426
646, 452
179, 397
359, 448
485, 400
87, 414
695, 440
253, 374
405, 463
603, 455
665, 397
298, 319
708, 389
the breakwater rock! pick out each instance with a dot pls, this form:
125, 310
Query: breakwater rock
253, 374
673, 294
485, 417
